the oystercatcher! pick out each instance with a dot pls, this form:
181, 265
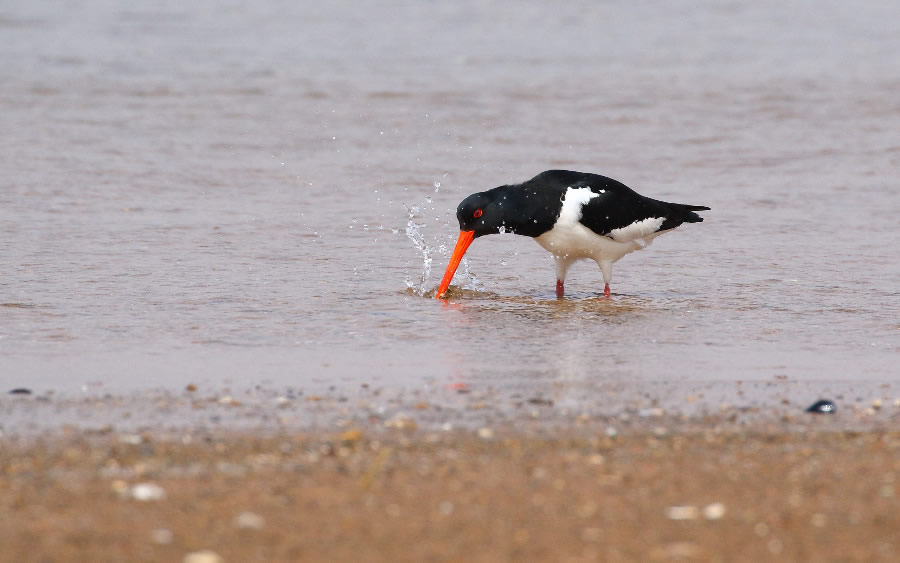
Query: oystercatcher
574, 215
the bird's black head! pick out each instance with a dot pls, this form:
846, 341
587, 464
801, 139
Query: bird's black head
480, 213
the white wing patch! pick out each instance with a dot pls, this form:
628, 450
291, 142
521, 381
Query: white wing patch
638, 229
573, 202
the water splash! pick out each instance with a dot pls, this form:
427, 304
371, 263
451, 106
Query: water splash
415, 232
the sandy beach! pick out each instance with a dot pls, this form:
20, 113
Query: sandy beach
654, 488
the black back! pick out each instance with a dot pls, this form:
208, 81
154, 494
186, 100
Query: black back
616, 205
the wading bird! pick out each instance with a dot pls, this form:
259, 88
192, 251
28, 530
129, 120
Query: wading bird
573, 215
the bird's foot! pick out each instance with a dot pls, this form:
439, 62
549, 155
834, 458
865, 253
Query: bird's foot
606, 291
560, 290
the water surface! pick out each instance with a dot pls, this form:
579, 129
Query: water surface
231, 193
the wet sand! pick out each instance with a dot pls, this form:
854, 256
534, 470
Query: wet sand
655, 488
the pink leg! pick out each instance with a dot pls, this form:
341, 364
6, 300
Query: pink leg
560, 290
606, 291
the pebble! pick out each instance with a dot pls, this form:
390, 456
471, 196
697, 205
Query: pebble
682, 512
20, 391
822, 406
402, 422
120, 487
541, 401
147, 492
714, 511
162, 536
249, 521
596, 459
351, 436
676, 551
205, 556
485, 433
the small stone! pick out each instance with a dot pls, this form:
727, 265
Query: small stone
204, 556
611, 432
541, 401
249, 521
596, 459
20, 391
147, 492
190, 387
876, 404
120, 488
822, 406
682, 513
676, 551
351, 436
485, 433
445, 508
401, 422
714, 511
162, 536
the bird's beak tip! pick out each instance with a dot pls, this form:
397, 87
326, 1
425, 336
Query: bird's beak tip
462, 244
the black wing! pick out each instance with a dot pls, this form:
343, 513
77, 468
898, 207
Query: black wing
620, 213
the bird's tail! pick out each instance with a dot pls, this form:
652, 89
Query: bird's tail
689, 215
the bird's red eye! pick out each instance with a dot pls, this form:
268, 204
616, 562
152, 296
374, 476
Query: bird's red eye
477, 213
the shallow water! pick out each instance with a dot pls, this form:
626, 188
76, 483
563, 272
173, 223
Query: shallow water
230, 193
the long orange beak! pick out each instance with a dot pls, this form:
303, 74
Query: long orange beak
462, 244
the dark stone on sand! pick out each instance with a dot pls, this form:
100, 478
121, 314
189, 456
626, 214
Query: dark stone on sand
20, 391
541, 401
822, 406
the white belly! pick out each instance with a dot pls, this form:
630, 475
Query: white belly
574, 241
